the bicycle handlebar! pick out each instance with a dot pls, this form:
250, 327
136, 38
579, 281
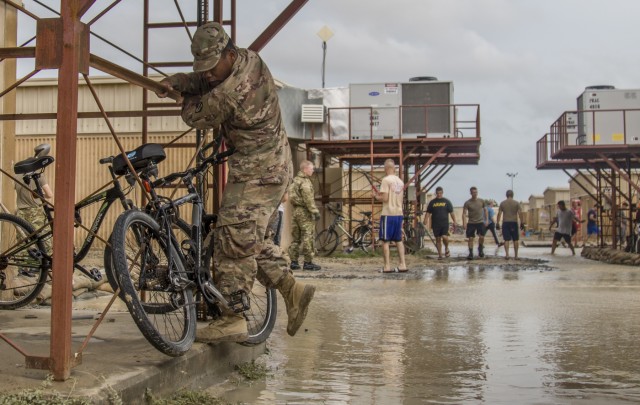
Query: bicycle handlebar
214, 159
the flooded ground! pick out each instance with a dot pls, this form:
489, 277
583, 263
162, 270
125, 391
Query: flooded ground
550, 330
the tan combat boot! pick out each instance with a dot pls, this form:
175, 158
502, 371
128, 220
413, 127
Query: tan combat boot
227, 328
297, 297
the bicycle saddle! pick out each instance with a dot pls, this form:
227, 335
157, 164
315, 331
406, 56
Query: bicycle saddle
32, 164
140, 158
366, 213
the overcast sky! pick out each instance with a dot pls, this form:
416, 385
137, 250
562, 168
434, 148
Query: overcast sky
523, 61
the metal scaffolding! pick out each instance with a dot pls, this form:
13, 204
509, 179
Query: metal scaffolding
63, 43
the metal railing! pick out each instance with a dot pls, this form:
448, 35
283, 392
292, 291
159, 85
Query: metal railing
403, 122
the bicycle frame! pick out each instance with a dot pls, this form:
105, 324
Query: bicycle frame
197, 273
107, 197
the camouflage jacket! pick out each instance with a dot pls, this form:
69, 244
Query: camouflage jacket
246, 106
301, 193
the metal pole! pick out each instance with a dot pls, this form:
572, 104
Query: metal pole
324, 58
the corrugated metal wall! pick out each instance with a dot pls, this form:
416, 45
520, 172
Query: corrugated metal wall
91, 175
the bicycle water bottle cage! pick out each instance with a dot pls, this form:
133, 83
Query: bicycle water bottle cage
32, 164
239, 301
140, 158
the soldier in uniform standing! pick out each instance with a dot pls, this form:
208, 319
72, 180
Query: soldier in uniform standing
305, 215
232, 88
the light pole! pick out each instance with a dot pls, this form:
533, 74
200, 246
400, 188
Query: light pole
512, 175
325, 34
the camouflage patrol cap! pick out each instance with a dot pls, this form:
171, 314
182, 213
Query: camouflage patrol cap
208, 42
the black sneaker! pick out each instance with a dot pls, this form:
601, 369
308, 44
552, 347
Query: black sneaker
294, 265
481, 251
310, 266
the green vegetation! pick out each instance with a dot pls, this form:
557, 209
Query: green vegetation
185, 398
253, 371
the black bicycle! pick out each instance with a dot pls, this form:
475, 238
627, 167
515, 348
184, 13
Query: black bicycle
25, 263
161, 263
361, 238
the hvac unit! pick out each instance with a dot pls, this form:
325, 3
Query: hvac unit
384, 110
432, 122
600, 126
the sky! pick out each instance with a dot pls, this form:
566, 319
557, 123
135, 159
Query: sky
525, 62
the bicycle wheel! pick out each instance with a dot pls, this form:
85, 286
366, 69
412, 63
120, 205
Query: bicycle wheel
263, 307
144, 261
261, 316
363, 237
326, 242
181, 231
22, 266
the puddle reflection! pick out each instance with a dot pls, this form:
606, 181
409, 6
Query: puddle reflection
465, 334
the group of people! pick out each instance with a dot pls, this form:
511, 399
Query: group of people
477, 218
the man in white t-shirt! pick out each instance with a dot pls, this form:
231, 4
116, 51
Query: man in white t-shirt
391, 194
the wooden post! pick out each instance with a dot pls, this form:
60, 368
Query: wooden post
8, 38
73, 59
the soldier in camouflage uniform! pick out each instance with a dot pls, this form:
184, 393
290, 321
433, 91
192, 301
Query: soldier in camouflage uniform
232, 88
305, 213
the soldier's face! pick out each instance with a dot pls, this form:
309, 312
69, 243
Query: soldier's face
308, 170
222, 69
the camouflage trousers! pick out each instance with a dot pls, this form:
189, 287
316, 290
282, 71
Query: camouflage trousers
37, 219
303, 232
242, 253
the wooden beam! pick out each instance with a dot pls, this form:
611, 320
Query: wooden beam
66, 138
18, 52
277, 24
84, 6
111, 68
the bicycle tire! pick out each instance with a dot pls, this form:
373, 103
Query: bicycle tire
363, 237
261, 316
165, 315
23, 272
326, 242
408, 240
263, 306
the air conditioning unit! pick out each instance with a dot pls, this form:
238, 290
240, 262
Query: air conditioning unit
313, 113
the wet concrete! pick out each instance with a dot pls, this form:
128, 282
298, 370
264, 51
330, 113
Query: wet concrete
543, 330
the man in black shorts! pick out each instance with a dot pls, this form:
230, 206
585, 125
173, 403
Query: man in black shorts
438, 212
476, 210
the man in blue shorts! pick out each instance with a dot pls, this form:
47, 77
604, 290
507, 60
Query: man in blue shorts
476, 210
391, 194
438, 212
508, 212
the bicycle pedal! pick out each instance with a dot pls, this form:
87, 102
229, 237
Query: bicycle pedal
95, 274
239, 302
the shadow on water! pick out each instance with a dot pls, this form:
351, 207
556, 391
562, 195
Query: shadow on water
498, 334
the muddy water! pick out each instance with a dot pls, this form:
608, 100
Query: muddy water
464, 334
